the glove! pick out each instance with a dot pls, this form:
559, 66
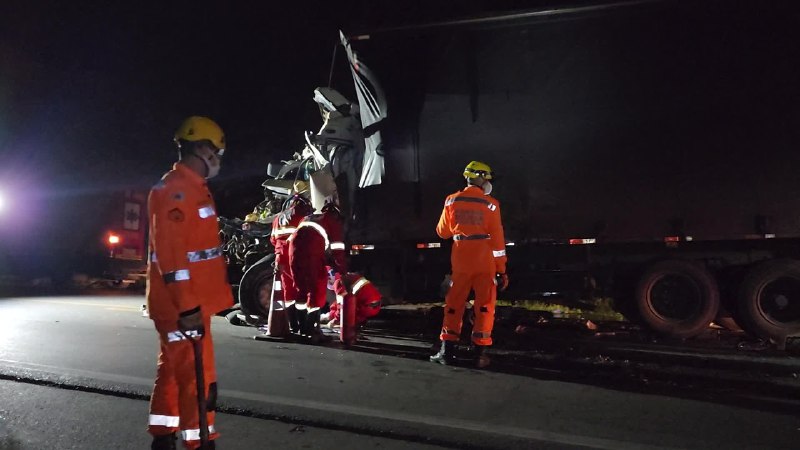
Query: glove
503, 281
338, 286
191, 324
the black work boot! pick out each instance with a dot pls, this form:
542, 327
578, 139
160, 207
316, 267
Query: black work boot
164, 442
312, 330
446, 355
301, 316
482, 359
294, 318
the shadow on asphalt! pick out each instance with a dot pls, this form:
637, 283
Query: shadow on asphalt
709, 368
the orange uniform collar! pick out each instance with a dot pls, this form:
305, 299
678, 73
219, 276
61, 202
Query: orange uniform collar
184, 170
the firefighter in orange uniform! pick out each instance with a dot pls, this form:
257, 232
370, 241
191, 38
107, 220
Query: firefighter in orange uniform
284, 225
187, 283
317, 243
471, 217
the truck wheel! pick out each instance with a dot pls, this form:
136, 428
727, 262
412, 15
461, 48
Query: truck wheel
769, 299
677, 298
255, 289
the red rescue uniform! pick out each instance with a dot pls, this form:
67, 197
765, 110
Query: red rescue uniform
186, 273
317, 243
367, 296
472, 220
284, 225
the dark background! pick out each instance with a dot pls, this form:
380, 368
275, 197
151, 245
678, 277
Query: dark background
91, 93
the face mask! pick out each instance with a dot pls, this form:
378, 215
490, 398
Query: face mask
213, 169
487, 187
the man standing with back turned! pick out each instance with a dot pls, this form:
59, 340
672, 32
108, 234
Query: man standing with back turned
187, 283
471, 217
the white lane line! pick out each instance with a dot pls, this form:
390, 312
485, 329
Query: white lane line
365, 412
104, 305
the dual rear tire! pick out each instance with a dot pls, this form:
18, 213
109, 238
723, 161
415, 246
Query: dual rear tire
679, 299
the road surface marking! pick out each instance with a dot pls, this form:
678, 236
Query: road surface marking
362, 412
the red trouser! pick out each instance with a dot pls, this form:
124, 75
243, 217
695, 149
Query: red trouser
288, 286
173, 406
484, 286
308, 260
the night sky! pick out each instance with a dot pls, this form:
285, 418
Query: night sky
91, 93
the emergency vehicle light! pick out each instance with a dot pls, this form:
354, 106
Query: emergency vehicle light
113, 239
429, 245
582, 241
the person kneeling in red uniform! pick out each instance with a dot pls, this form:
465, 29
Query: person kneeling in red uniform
366, 296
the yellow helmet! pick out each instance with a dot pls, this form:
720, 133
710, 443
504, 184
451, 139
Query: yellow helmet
477, 169
197, 128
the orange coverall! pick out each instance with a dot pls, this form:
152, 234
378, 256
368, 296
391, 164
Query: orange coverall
472, 220
185, 273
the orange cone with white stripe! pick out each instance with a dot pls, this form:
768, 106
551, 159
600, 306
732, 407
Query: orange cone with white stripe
278, 320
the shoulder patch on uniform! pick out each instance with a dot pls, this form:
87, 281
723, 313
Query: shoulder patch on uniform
178, 196
175, 215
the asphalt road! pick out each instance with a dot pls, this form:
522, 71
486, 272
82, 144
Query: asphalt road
105, 349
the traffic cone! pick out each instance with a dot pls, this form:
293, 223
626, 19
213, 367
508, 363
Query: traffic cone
277, 321
347, 316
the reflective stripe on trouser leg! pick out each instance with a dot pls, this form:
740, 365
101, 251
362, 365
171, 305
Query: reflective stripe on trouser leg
164, 416
455, 301
485, 301
175, 388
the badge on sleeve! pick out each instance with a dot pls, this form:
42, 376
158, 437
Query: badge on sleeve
175, 215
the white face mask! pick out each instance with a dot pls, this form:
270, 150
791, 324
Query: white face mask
487, 187
213, 168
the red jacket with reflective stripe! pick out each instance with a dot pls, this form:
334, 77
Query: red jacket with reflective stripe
471, 213
283, 226
186, 268
329, 226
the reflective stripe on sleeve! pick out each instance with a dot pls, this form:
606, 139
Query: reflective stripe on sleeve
276, 285
157, 420
359, 284
194, 434
203, 255
178, 275
206, 212
498, 253
337, 246
319, 229
175, 336
283, 231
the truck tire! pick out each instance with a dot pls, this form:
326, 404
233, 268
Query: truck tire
769, 299
677, 298
255, 289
